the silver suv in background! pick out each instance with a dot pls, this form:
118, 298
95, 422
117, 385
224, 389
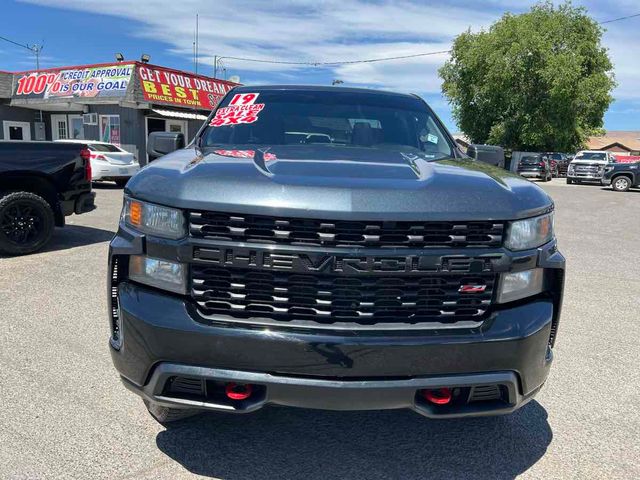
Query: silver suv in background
588, 166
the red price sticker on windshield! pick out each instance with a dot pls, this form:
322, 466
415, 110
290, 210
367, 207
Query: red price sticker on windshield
241, 109
244, 99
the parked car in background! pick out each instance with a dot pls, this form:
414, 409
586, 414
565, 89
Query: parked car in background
622, 176
40, 184
535, 166
109, 162
559, 163
588, 166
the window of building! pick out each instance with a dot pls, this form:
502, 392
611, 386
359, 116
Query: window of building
110, 129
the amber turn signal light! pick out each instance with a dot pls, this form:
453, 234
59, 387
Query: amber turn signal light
135, 213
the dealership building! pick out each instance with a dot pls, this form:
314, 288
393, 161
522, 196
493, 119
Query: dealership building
118, 103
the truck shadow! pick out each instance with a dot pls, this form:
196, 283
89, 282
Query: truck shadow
294, 443
72, 236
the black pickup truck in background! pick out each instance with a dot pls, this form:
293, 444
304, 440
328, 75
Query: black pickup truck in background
40, 184
622, 176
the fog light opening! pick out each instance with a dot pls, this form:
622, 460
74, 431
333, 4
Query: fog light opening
437, 396
235, 391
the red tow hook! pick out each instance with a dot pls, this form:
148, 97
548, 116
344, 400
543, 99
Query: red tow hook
238, 392
438, 396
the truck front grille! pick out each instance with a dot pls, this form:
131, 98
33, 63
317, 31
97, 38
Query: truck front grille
331, 233
331, 299
590, 169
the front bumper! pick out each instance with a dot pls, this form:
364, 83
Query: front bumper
161, 337
161, 340
596, 177
335, 394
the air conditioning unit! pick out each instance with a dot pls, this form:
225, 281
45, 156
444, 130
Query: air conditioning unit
90, 119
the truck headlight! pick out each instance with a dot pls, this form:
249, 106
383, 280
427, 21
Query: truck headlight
158, 273
571, 168
515, 286
530, 232
153, 219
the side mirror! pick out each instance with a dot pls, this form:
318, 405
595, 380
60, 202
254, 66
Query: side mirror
161, 143
491, 154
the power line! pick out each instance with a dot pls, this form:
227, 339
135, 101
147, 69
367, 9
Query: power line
15, 43
343, 62
374, 60
35, 48
620, 18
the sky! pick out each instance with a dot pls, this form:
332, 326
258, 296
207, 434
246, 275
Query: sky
76, 32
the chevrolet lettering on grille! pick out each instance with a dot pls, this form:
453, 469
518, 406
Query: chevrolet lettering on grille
342, 264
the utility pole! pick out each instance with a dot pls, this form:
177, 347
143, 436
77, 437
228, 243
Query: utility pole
35, 48
196, 44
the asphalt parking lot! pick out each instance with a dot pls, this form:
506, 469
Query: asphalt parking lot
64, 413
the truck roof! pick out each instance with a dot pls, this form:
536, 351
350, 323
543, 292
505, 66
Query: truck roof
321, 88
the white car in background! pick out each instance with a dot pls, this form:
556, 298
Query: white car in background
109, 162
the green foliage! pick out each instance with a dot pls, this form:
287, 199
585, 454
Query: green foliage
539, 81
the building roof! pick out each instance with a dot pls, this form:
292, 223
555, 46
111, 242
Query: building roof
629, 140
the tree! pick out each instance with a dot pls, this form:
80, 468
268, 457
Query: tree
539, 81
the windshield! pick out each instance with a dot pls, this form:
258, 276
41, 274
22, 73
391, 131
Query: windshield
328, 118
529, 159
103, 147
591, 156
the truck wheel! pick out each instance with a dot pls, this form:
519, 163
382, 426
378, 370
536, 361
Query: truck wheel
26, 223
168, 415
621, 184
570, 181
122, 182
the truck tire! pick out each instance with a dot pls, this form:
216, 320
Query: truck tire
570, 181
26, 223
168, 415
121, 182
621, 183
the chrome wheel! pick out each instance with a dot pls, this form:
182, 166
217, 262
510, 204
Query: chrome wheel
621, 184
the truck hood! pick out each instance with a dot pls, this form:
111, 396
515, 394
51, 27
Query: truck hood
326, 181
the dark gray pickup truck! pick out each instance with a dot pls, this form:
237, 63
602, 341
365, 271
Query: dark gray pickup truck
331, 248
40, 184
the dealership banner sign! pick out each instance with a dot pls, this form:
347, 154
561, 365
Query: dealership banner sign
111, 80
160, 85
